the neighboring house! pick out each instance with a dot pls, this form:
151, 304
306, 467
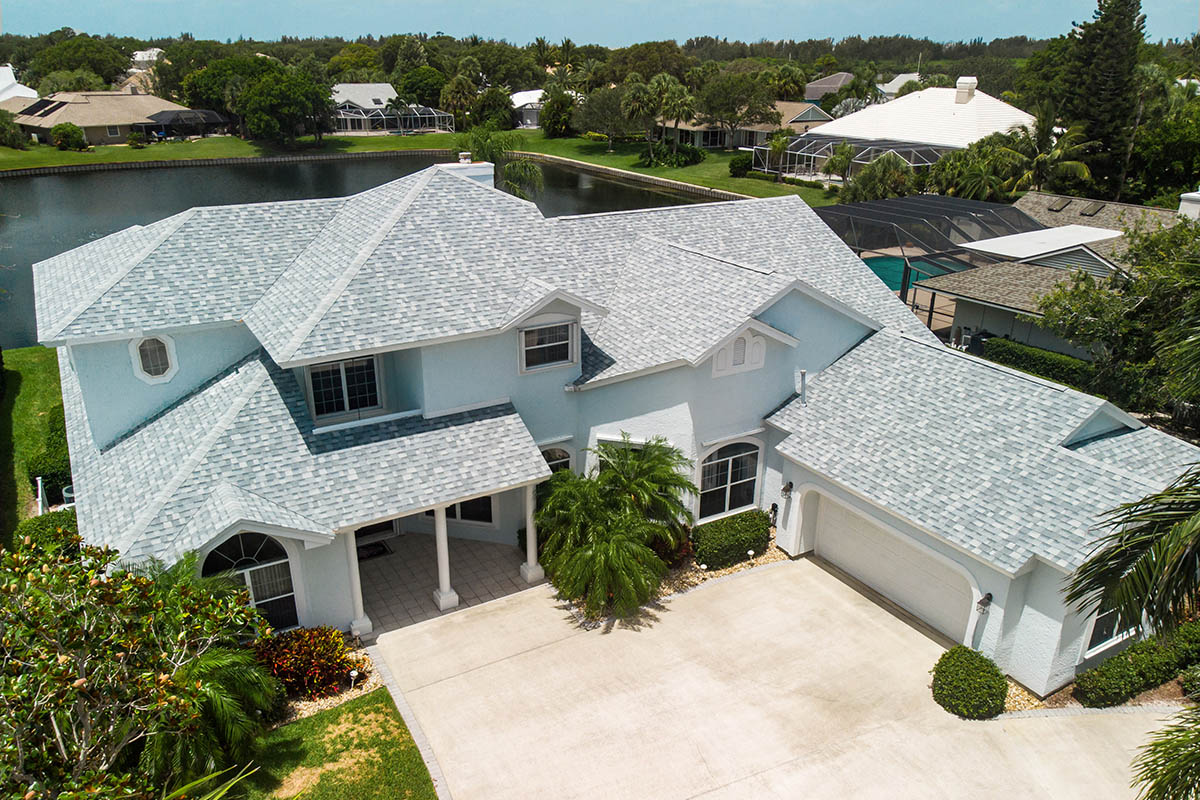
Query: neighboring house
800, 117
890, 88
920, 127
370, 108
105, 117
527, 107
10, 89
830, 84
293, 374
145, 59
1054, 210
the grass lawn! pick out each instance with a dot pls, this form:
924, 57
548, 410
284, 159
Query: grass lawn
31, 389
712, 172
361, 749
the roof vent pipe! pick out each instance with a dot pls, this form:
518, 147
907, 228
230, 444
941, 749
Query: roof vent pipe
803, 387
965, 89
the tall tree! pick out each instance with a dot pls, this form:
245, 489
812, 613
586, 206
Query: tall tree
457, 97
1041, 155
1104, 60
355, 56
602, 112
679, 105
85, 52
733, 101
642, 106
282, 106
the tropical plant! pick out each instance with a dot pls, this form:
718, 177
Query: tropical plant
887, 176
679, 105
233, 690
93, 664
787, 82
840, 162
519, 176
68, 136
735, 100
586, 75
908, 87
72, 80
777, 147
602, 111
457, 97
1040, 156
555, 117
542, 50
11, 134
642, 106
600, 529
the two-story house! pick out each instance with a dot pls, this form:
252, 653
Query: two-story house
259, 382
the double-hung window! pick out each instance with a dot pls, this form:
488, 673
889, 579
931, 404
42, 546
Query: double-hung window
727, 479
345, 387
547, 346
1105, 631
478, 510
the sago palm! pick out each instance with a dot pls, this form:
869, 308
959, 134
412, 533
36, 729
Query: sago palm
653, 477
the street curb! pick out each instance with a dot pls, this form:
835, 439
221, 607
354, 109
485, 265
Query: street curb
410, 719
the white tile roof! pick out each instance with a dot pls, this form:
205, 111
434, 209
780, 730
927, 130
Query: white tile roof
9, 88
528, 97
893, 86
973, 451
1020, 246
363, 95
931, 116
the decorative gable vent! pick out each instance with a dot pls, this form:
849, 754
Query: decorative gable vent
745, 352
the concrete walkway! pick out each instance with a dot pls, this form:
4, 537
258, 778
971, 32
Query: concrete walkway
780, 682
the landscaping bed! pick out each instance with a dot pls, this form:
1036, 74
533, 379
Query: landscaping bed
689, 575
297, 708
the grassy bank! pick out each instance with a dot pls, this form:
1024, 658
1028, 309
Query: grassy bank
31, 389
712, 172
361, 749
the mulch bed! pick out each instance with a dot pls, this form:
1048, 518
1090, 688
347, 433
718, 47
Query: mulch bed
368, 681
689, 575
1169, 692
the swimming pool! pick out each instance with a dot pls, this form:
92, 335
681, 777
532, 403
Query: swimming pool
890, 270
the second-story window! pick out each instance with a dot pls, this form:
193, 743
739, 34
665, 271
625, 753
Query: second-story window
547, 346
344, 387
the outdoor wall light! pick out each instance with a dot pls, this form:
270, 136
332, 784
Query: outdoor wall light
984, 602
786, 491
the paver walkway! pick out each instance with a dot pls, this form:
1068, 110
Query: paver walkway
778, 682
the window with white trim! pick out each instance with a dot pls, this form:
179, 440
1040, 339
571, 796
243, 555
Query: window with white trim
478, 511
728, 478
557, 458
114, 130
345, 387
1104, 630
261, 564
547, 346
154, 358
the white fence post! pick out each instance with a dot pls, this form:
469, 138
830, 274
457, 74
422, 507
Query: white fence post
41, 498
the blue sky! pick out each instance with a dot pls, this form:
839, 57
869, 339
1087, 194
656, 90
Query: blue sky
609, 22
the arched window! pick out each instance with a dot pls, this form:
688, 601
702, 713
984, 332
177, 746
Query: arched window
557, 458
727, 479
261, 564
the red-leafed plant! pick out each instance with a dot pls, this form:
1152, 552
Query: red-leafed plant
309, 662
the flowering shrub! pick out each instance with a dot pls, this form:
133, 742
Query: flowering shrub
310, 662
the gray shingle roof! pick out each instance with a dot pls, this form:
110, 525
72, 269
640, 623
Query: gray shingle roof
1010, 284
242, 447
971, 450
1114, 216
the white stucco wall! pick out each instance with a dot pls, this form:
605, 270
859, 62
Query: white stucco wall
325, 577
979, 317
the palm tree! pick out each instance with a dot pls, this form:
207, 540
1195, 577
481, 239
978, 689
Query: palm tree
1169, 765
980, 180
841, 161
787, 82
653, 476
641, 104
679, 105
586, 75
519, 177
566, 52
1039, 156
234, 688
541, 51
457, 97
614, 567
777, 147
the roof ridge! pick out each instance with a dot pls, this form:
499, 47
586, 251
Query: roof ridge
688, 207
701, 253
189, 465
120, 274
224, 483
348, 274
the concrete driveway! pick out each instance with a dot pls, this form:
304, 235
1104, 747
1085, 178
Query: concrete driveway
779, 682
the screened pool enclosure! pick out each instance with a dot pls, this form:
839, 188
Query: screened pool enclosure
397, 118
807, 154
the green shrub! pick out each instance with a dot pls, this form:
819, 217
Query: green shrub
969, 684
1155, 661
592, 136
683, 155
11, 134
68, 136
51, 532
727, 541
53, 462
1187, 642
136, 140
1113, 682
309, 662
1074, 372
740, 164
1190, 679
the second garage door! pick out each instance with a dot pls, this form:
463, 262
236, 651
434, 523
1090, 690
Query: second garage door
906, 575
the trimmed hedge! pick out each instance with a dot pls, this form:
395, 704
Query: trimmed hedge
969, 684
1141, 666
740, 164
1074, 372
726, 542
1191, 681
53, 461
49, 532
767, 176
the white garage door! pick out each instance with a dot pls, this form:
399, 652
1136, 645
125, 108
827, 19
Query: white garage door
899, 571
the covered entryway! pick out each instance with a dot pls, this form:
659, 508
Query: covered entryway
902, 572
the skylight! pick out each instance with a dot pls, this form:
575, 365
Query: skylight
1059, 205
1091, 209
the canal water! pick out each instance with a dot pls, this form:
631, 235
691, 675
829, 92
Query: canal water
46, 215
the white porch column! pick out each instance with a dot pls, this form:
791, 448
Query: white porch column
361, 624
531, 570
445, 597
